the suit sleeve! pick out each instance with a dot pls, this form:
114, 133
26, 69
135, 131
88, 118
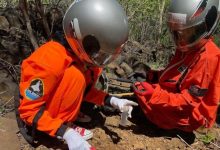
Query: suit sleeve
96, 96
37, 82
196, 104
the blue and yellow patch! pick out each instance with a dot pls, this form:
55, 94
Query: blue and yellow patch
35, 90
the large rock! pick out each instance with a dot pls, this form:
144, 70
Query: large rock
8, 136
4, 24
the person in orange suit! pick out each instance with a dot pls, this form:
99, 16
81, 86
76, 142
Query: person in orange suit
187, 92
55, 79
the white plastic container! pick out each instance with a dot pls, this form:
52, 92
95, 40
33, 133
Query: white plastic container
124, 117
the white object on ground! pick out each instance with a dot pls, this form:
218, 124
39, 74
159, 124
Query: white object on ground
124, 116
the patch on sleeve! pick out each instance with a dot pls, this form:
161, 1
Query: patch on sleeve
35, 90
196, 91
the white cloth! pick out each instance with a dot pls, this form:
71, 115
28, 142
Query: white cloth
122, 104
75, 141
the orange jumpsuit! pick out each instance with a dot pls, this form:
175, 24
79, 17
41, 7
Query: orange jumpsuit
53, 77
188, 92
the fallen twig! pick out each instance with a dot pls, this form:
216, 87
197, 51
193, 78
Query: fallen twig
3, 92
122, 94
184, 141
215, 145
10, 68
7, 102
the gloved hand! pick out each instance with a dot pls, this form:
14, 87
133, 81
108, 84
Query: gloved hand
121, 104
75, 141
143, 88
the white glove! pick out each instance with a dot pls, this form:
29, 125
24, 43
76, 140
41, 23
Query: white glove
75, 141
122, 104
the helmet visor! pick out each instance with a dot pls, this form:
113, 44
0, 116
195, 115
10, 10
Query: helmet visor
187, 36
97, 55
102, 58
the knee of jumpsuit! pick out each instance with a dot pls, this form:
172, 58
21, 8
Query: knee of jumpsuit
68, 95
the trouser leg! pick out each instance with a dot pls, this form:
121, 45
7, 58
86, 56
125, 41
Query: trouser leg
67, 98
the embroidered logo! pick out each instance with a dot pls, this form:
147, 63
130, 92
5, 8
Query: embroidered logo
35, 90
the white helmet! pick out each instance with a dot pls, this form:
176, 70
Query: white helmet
96, 30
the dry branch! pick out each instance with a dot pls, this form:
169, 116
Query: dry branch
122, 94
10, 68
7, 102
23, 7
40, 10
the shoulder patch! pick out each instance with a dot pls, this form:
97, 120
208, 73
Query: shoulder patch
35, 90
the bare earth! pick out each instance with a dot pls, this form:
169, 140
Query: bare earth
108, 135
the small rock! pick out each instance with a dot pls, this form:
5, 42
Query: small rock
119, 71
126, 68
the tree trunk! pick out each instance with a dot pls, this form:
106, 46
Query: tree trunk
40, 9
23, 6
161, 8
